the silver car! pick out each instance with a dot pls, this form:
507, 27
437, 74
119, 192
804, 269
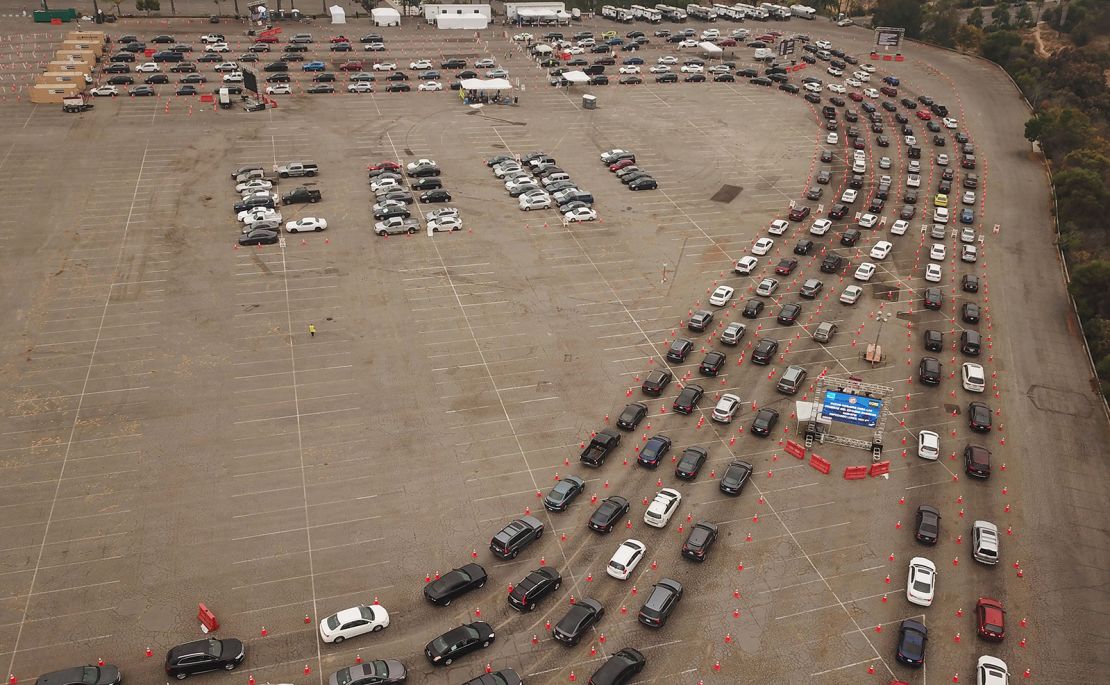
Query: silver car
984, 542
767, 287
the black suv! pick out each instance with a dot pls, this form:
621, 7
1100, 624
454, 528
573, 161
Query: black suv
934, 340
929, 370
534, 587
699, 541
656, 382
687, 400
662, 601
765, 351
679, 349
832, 263
764, 421
515, 537
977, 461
202, 656
927, 529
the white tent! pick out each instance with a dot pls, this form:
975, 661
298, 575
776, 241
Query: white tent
485, 84
538, 14
542, 49
710, 48
338, 16
385, 16
576, 77
461, 21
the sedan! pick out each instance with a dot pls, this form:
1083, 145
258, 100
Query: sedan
928, 445
581, 617
203, 656
811, 288
820, 226
735, 477
881, 250
632, 415
377, 672
306, 224
721, 296
786, 266
927, 527
767, 287
619, 668
456, 583
580, 214
864, 272
979, 417
564, 492
457, 642
969, 312
653, 451
430, 86
851, 294
973, 377
105, 674
921, 583
259, 236
933, 273
789, 313
991, 619
384, 66
687, 400
726, 408
611, 510
625, 559
444, 224
691, 461
912, 636
762, 246
353, 622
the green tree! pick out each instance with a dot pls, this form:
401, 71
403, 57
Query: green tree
1089, 284
1089, 158
1060, 130
1080, 195
998, 46
905, 14
942, 27
1000, 16
969, 37
975, 18
1024, 16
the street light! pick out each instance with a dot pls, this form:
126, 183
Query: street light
882, 318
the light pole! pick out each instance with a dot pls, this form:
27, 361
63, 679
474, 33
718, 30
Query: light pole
882, 318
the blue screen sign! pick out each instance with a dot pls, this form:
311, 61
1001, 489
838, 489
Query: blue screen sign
853, 409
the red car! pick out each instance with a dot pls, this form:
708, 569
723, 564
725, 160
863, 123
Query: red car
617, 166
387, 164
266, 39
766, 38
991, 618
726, 43
340, 39
786, 266
855, 97
351, 65
923, 115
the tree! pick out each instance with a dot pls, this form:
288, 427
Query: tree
998, 46
1089, 158
906, 14
969, 37
1000, 16
975, 18
1024, 16
942, 27
1089, 284
1060, 130
1080, 196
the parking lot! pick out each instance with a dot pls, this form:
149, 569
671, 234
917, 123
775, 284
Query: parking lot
176, 435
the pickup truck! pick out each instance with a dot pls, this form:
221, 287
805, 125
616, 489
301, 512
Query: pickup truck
600, 446
254, 174
297, 169
301, 194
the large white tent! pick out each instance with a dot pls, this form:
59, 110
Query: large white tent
485, 84
576, 77
710, 48
338, 16
385, 16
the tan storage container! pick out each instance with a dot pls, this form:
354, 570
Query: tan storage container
53, 93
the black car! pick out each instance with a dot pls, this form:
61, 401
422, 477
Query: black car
699, 541
202, 656
392, 211
735, 477
934, 298
679, 349
193, 78
850, 237
667, 78
653, 451
969, 283
838, 211
82, 675
454, 584
453, 63
644, 183
765, 351
457, 642
656, 381
253, 203
324, 77
563, 493
694, 78
662, 601
319, 89
789, 313
855, 181
278, 78
120, 80
969, 312
929, 370
259, 236
977, 461
122, 57
156, 79
724, 78
377, 672
752, 309
687, 400
187, 90
633, 414
934, 340
430, 183
276, 66
712, 364
540, 583
803, 247
690, 463
577, 621
620, 668
516, 536
435, 196
912, 636
764, 421
927, 529
832, 263
611, 510
117, 68
979, 417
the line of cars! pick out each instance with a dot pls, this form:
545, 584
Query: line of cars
538, 182
258, 210
622, 163
394, 185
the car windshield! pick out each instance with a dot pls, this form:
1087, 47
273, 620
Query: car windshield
332, 622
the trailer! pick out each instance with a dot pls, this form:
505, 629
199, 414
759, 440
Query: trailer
803, 12
75, 103
671, 13
616, 14
776, 12
702, 13
648, 14
727, 12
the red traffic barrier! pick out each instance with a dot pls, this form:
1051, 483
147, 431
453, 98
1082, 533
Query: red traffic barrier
207, 619
855, 472
880, 469
795, 449
820, 464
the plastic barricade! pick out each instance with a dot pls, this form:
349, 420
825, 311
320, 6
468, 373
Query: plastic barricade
820, 464
855, 472
880, 469
794, 448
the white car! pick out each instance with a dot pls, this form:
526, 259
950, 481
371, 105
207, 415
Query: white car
667, 59
859, 166
212, 38
942, 159
973, 377
662, 508
445, 223
884, 163
767, 287
820, 226
969, 197
726, 408
721, 295
881, 250
851, 294
523, 36
885, 180
306, 225
940, 215
849, 196
864, 272
501, 170
421, 64
520, 183
833, 71
950, 122
629, 69
991, 671
837, 88
442, 211
429, 86
105, 91
688, 43
762, 246
538, 201
969, 254
710, 34
933, 273
967, 234
575, 50
823, 45
374, 47
914, 167
928, 445
921, 584
253, 216
862, 75
353, 622
870, 68
871, 93
625, 559
233, 77
420, 164
362, 87
224, 67
660, 69
745, 265
251, 186
911, 140
692, 69
283, 89
853, 83
384, 66
381, 184
386, 204
832, 138
217, 47
868, 221
812, 87
899, 227
148, 68
778, 227
581, 214
938, 252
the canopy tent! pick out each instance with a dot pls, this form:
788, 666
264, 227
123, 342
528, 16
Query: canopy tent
542, 49
576, 77
338, 16
485, 84
385, 16
710, 48
537, 13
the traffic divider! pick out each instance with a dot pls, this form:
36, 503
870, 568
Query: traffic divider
820, 464
880, 469
795, 449
855, 472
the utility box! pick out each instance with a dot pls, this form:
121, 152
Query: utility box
589, 102
54, 93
